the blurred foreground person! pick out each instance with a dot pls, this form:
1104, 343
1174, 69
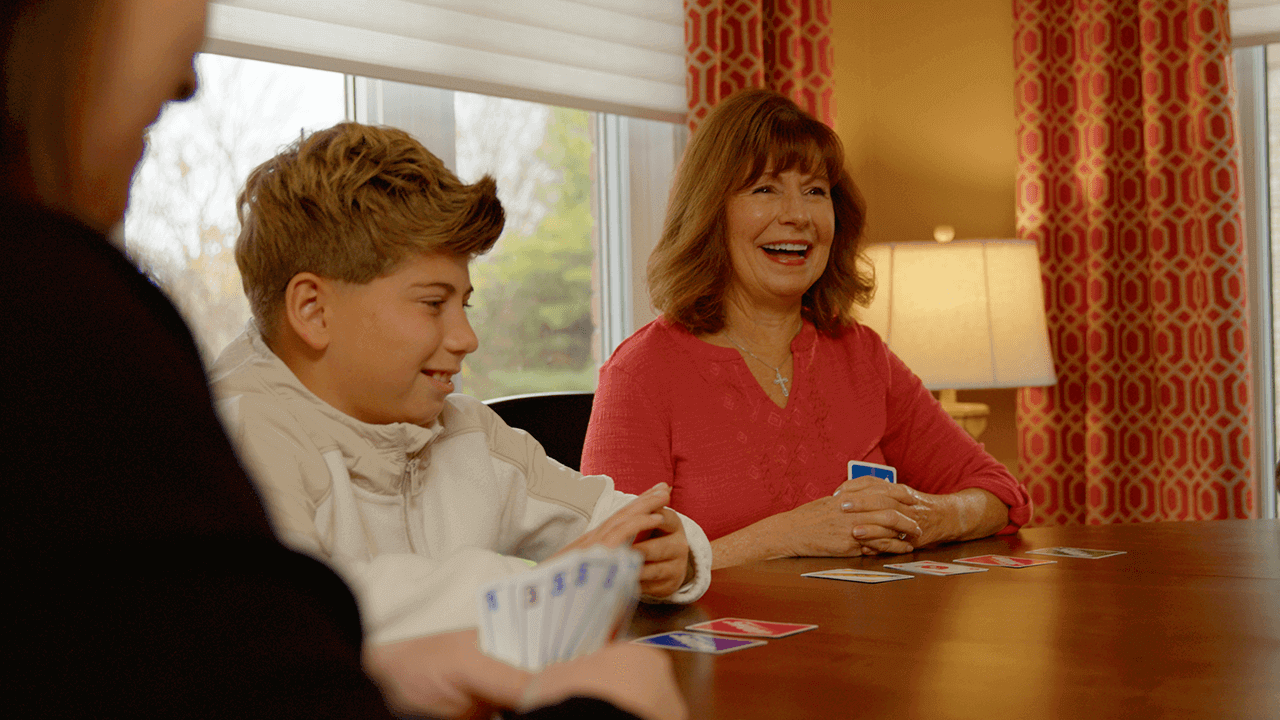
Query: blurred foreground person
145, 578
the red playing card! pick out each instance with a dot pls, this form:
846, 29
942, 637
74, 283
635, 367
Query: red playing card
929, 567
1004, 561
750, 628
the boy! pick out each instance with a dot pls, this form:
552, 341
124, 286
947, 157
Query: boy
354, 252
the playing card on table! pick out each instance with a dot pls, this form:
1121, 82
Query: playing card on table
858, 576
697, 642
1004, 561
858, 469
929, 567
750, 628
1072, 552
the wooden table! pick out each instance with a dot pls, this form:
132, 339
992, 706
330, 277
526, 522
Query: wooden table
1186, 624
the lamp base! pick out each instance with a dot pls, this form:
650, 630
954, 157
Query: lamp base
969, 415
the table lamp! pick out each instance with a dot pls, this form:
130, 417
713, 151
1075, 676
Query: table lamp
963, 315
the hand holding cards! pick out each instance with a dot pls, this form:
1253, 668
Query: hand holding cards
564, 608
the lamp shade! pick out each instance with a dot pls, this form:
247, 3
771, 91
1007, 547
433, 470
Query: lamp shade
963, 315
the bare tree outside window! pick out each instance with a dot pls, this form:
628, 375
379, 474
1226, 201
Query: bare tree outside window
532, 307
181, 224
535, 292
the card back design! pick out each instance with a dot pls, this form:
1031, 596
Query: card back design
1005, 561
1073, 552
697, 642
930, 567
858, 576
750, 628
858, 469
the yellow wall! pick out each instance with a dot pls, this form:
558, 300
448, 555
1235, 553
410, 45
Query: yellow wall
924, 96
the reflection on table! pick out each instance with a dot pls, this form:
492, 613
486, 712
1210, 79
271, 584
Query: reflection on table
1185, 624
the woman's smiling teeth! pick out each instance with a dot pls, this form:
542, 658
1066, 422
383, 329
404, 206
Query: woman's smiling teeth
786, 248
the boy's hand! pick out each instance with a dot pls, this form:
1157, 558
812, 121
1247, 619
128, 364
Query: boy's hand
667, 564
638, 516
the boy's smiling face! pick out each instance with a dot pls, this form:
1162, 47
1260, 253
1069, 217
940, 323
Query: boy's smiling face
394, 344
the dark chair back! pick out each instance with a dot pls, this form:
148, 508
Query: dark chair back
558, 420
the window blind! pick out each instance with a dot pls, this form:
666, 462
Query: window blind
620, 56
1254, 22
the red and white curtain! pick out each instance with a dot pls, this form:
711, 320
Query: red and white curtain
783, 45
1129, 180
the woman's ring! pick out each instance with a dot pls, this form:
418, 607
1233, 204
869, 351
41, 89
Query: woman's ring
902, 536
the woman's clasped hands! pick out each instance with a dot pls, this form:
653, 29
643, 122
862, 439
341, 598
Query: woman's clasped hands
864, 516
895, 518
883, 515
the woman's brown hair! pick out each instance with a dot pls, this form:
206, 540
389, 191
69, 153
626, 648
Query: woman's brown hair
689, 269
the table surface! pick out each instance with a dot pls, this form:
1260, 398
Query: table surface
1185, 624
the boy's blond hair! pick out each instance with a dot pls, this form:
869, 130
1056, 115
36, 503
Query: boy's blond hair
349, 203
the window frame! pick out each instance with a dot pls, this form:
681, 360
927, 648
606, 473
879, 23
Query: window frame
1251, 111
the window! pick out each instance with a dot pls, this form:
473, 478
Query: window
584, 194
1273, 224
181, 224
1273, 195
1257, 69
532, 307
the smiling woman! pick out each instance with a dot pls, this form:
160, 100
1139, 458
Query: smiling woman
780, 228
756, 388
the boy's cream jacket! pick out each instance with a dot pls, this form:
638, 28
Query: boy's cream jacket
414, 518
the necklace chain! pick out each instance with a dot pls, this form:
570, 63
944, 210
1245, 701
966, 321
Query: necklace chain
777, 371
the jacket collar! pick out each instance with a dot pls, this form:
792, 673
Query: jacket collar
248, 365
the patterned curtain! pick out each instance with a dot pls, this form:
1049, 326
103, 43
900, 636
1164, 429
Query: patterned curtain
1129, 180
783, 45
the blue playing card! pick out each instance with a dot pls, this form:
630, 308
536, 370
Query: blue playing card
697, 642
859, 469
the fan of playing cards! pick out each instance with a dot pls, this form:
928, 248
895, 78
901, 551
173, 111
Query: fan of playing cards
564, 608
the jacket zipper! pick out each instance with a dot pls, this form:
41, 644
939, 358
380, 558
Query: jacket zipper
406, 487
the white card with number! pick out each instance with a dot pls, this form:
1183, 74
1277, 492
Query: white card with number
499, 631
564, 608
